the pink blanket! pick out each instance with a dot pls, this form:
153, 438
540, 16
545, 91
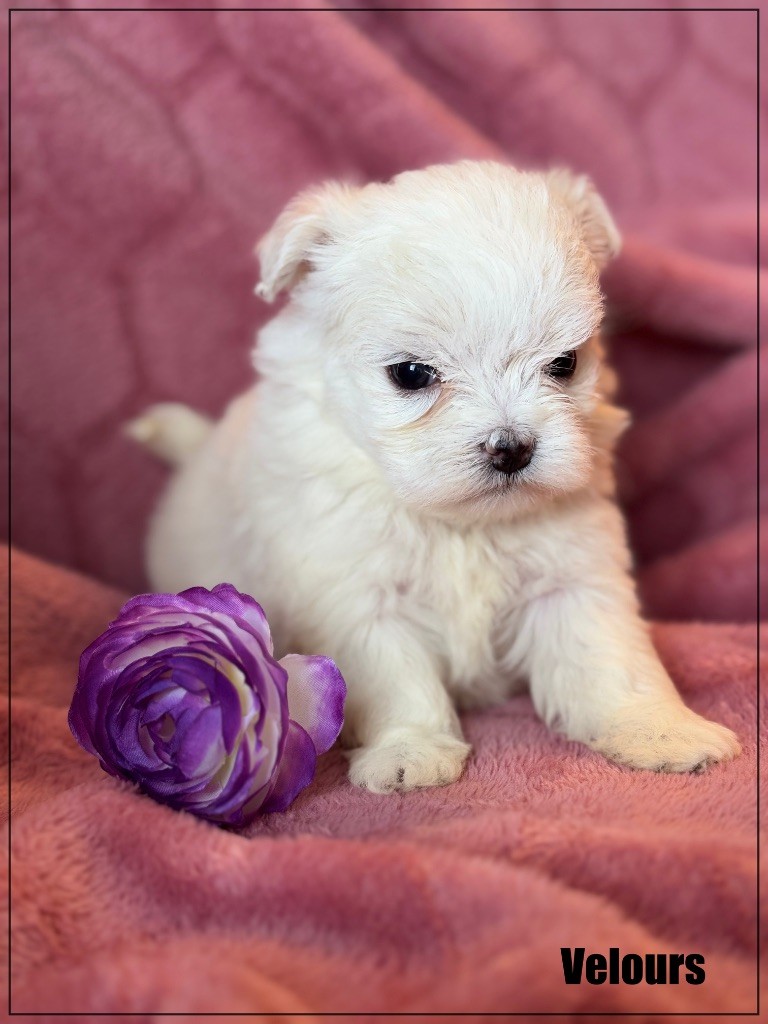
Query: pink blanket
456, 899
151, 149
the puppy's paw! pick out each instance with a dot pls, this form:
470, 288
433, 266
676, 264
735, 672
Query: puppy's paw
667, 740
412, 761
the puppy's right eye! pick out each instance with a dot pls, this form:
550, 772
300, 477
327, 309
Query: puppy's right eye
413, 376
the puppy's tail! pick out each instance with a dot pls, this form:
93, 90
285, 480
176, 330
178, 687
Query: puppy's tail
170, 430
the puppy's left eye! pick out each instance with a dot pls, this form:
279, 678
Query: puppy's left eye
413, 376
564, 366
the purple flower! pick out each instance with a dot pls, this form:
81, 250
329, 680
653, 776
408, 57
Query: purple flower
182, 695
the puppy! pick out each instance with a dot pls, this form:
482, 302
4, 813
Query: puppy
420, 483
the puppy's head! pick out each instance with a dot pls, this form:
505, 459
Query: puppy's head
454, 315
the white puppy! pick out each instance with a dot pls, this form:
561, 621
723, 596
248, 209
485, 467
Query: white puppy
420, 483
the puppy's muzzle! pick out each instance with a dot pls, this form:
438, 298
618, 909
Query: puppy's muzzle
507, 452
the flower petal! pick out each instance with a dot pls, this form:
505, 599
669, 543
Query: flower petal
316, 693
295, 771
226, 600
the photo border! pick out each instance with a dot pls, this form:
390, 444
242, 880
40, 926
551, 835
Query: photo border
299, 10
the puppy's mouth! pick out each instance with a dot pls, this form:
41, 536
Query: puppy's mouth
491, 488
485, 481
497, 481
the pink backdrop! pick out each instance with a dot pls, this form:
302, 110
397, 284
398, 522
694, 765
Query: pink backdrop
150, 150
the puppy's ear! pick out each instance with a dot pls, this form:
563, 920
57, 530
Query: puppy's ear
305, 225
597, 226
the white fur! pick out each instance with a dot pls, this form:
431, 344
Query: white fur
365, 519
170, 430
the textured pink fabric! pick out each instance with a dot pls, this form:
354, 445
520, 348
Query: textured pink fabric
455, 899
151, 149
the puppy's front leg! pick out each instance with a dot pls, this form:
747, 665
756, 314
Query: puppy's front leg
398, 712
595, 675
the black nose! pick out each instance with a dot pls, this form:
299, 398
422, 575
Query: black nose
508, 453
